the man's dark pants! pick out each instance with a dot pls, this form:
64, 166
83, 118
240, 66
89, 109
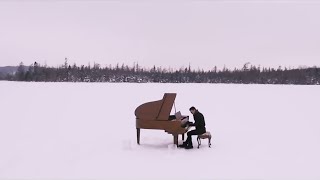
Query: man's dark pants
194, 132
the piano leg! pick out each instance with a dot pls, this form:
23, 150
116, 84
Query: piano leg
138, 136
175, 139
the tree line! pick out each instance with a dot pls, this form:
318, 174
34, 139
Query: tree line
248, 74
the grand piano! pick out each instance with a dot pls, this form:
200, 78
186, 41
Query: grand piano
156, 115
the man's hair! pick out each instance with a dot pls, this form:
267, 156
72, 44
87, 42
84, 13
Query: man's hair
192, 108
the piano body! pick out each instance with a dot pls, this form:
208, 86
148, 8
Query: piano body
156, 115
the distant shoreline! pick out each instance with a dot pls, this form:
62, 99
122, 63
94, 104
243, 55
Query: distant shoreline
248, 74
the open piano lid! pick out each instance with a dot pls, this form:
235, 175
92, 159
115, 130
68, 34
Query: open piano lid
156, 110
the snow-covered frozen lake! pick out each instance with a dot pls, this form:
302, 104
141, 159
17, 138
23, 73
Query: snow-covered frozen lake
87, 131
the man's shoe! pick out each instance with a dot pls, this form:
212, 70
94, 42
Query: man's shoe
183, 145
189, 146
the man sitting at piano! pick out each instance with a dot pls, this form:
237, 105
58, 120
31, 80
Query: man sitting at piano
200, 128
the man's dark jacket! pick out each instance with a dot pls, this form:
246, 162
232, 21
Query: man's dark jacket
199, 122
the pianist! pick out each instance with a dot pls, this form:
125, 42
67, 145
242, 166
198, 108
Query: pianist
199, 125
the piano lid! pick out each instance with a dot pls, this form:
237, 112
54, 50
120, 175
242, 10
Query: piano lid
156, 110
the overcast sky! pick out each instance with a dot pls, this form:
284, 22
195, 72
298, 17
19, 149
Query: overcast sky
162, 33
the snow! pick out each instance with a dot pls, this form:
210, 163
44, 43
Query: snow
87, 131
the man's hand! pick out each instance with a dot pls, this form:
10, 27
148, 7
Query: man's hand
190, 123
186, 124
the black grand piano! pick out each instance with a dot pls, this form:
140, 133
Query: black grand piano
156, 115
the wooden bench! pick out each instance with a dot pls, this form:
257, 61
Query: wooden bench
206, 135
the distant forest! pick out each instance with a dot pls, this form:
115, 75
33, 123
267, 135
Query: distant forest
248, 74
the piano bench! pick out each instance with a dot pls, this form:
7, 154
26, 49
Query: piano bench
206, 135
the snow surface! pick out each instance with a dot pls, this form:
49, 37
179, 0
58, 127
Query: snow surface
87, 131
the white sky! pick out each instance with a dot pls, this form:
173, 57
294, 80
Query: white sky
161, 33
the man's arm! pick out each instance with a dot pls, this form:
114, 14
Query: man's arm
190, 123
198, 120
